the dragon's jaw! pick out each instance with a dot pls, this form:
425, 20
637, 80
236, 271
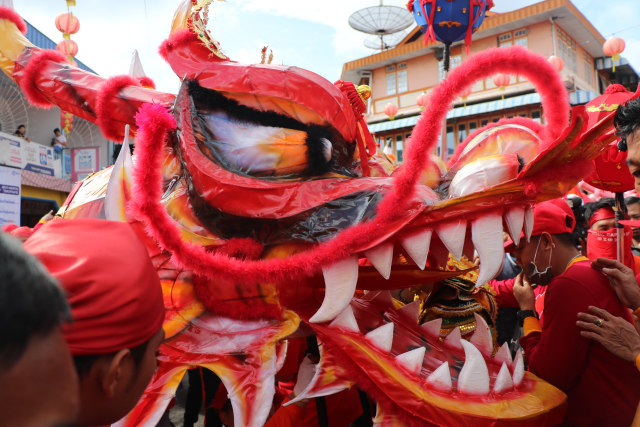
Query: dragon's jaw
413, 374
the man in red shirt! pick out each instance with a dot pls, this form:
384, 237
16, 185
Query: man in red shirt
601, 388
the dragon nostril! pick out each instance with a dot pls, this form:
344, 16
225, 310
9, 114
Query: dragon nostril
327, 149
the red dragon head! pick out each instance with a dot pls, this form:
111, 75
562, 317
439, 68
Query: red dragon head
263, 203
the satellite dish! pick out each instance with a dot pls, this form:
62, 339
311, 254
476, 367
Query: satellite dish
381, 20
13, 107
384, 42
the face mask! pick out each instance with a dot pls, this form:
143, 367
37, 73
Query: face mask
535, 276
605, 243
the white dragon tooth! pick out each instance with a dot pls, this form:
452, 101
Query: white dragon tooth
411, 311
486, 233
503, 380
441, 377
515, 220
482, 336
454, 339
346, 320
528, 222
340, 282
452, 235
518, 368
432, 327
412, 360
382, 337
381, 257
417, 247
503, 354
474, 375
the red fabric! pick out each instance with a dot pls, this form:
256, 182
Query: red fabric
342, 409
504, 294
549, 217
11, 15
112, 287
602, 389
31, 72
605, 244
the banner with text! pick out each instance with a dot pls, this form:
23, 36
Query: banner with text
10, 180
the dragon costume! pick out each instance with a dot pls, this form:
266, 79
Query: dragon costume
268, 212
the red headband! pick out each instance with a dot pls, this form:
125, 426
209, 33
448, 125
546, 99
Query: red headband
602, 213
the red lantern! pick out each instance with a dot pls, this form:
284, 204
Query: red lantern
68, 47
613, 48
422, 100
557, 62
67, 23
501, 80
464, 95
391, 110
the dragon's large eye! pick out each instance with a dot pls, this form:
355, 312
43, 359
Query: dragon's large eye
256, 150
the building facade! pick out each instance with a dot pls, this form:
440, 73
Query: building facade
45, 177
552, 27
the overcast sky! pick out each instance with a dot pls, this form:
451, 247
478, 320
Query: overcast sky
310, 34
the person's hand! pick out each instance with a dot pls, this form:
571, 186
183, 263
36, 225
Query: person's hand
622, 280
523, 293
614, 333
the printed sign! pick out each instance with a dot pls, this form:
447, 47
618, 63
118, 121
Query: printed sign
84, 161
10, 151
10, 180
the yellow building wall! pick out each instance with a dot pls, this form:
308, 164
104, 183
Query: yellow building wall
44, 193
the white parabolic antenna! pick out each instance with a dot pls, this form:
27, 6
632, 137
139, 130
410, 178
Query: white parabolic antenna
381, 21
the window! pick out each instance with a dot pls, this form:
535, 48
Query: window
588, 69
391, 84
397, 81
462, 132
451, 142
535, 115
518, 37
402, 81
505, 40
566, 49
472, 127
454, 61
483, 123
399, 147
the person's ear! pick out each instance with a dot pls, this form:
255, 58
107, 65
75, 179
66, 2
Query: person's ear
115, 373
547, 242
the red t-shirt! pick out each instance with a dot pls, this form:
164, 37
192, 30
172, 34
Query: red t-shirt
602, 389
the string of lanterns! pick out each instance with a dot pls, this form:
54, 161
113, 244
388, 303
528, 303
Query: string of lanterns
68, 24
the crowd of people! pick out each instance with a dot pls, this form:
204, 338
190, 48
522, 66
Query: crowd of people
83, 322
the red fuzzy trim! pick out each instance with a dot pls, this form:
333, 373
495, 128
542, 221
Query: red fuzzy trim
177, 40
32, 70
614, 88
154, 122
146, 82
11, 15
244, 248
8, 228
522, 121
108, 91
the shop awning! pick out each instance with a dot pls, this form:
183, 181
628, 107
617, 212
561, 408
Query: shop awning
575, 98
